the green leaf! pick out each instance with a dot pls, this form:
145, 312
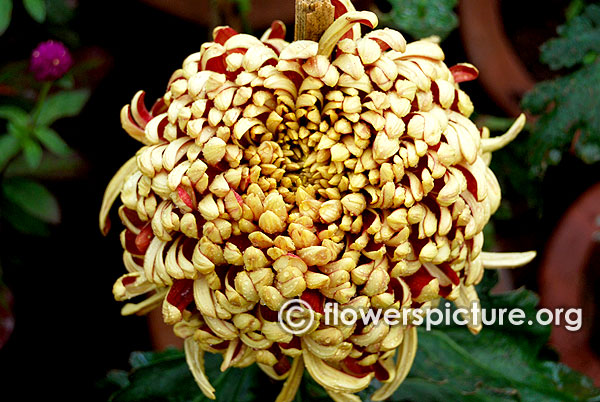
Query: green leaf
165, 376
51, 167
568, 121
568, 115
574, 9
5, 14
423, 18
36, 9
119, 378
62, 104
14, 114
33, 198
22, 221
66, 81
143, 359
52, 140
579, 38
9, 148
33, 152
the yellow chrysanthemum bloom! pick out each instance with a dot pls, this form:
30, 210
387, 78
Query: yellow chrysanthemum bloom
341, 171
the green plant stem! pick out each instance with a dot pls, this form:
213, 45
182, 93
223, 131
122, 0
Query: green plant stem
40, 102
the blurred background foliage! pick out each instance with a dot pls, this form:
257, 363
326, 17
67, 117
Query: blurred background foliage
541, 173
423, 18
31, 150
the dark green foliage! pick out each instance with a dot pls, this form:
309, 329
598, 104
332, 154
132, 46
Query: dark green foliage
423, 18
568, 106
165, 377
579, 39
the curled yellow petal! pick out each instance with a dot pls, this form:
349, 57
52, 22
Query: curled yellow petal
406, 355
506, 260
331, 378
290, 387
113, 190
348, 5
469, 300
338, 29
138, 287
300, 49
195, 360
203, 297
130, 125
228, 355
496, 143
270, 371
145, 306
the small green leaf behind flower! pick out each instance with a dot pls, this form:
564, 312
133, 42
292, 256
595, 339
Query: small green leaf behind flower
36, 9
423, 18
5, 14
164, 376
52, 141
33, 198
14, 114
9, 148
33, 152
62, 104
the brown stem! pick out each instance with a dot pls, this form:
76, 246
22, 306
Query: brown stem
313, 17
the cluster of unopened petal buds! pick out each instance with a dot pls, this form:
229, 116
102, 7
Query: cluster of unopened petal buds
342, 171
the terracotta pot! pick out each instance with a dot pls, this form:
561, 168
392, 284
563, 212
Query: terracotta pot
161, 334
563, 280
501, 72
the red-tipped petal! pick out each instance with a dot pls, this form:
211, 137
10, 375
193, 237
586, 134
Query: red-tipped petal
185, 197
221, 34
418, 281
277, 30
181, 293
464, 72
138, 110
339, 8
315, 299
143, 239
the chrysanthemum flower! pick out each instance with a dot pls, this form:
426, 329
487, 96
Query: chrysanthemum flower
50, 60
341, 171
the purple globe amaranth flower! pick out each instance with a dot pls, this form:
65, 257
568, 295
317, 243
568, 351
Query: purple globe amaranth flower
50, 60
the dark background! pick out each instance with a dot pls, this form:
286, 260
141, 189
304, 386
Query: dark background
69, 331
